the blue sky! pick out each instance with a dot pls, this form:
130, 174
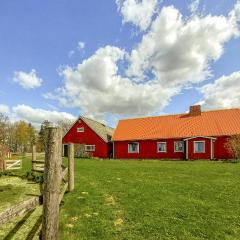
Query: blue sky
77, 57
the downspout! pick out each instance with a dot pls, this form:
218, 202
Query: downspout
187, 149
212, 154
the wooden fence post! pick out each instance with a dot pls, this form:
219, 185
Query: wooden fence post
71, 167
52, 182
34, 157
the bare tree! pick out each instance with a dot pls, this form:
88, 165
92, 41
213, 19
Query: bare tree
65, 124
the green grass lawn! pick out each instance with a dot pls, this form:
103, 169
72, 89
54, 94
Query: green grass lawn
151, 200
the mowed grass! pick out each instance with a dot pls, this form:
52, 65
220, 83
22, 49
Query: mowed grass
139, 200
152, 200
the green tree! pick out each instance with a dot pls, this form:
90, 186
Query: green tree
42, 136
31, 135
22, 136
4, 121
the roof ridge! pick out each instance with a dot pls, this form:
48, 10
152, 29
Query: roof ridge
132, 118
179, 114
101, 129
220, 109
96, 121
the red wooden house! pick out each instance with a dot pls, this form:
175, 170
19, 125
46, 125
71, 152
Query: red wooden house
94, 136
195, 135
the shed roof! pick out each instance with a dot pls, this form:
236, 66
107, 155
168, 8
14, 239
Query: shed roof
224, 122
103, 131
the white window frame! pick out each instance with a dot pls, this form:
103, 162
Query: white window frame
133, 151
80, 129
204, 142
90, 150
165, 147
175, 142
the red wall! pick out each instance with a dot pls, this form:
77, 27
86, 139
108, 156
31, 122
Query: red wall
88, 137
148, 150
220, 151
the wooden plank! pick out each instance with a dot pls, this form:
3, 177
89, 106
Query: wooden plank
64, 189
38, 170
64, 173
14, 168
19, 209
38, 161
11, 161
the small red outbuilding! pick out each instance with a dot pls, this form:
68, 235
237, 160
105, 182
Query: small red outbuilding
94, 136
195, 135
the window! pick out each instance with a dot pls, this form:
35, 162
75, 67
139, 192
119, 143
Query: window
162, 147
89, 148
133, 147
199, 147
81, 129
179, 146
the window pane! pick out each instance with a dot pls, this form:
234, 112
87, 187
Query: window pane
80, 129
161, 147
133, 147
90, 148
179, 146
199, 147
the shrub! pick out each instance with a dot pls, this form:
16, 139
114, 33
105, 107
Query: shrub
233, 146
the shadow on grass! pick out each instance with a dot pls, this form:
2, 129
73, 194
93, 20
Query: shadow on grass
35, 228
18, 226
231, 161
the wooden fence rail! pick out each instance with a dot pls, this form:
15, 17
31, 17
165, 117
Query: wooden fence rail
13, 164
19, 209
54, 187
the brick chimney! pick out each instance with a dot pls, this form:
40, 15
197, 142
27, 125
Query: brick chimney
195, 110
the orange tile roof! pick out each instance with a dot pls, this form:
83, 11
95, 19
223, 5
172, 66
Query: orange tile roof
211, 123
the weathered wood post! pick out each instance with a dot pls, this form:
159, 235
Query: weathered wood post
52, 182
3, 152
71, 167
34, 157
2, 164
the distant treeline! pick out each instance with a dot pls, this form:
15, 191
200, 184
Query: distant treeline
19, 136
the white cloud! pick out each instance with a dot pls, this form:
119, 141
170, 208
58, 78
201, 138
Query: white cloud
137, 12
235, 13
193, 7
222, 93
174, 54
4, 109
38, 115
81, 45
177, 51
96, 87
27, 80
